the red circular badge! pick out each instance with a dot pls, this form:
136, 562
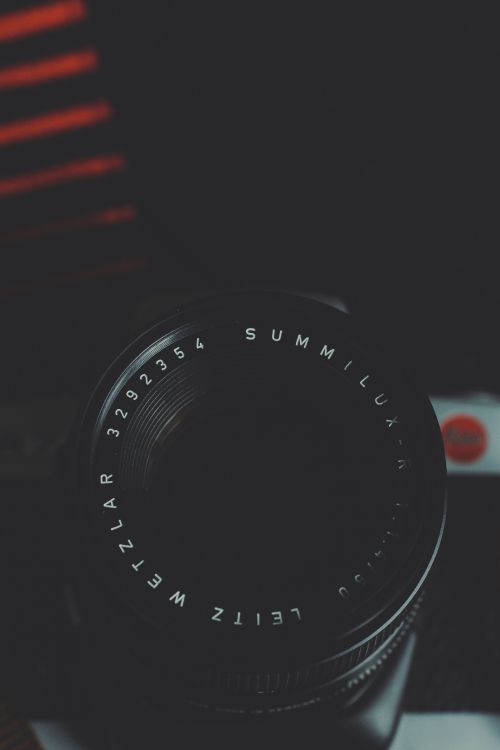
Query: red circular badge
464, 437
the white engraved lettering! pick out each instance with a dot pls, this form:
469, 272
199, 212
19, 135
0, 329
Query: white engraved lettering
217, 615
404, 463
178, 598
277, 618
155, 581
302, 341
326, 352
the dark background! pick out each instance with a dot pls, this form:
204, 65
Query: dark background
353, 153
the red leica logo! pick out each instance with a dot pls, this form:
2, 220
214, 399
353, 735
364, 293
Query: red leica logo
465, 438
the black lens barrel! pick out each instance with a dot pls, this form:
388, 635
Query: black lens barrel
263, 493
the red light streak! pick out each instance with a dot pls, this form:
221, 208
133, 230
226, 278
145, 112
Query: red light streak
110, 216
76, 170
108, 270
41, 18
52, 68
55, 122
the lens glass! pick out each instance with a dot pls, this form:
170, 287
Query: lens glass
264, 491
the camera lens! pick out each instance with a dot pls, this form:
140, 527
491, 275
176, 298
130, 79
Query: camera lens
264, 496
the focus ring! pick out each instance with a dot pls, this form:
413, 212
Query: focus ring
311, 677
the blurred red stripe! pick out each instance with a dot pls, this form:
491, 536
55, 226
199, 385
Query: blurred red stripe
40, 18
113, 215
55, 122
93, 167
107, 270
41, 71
